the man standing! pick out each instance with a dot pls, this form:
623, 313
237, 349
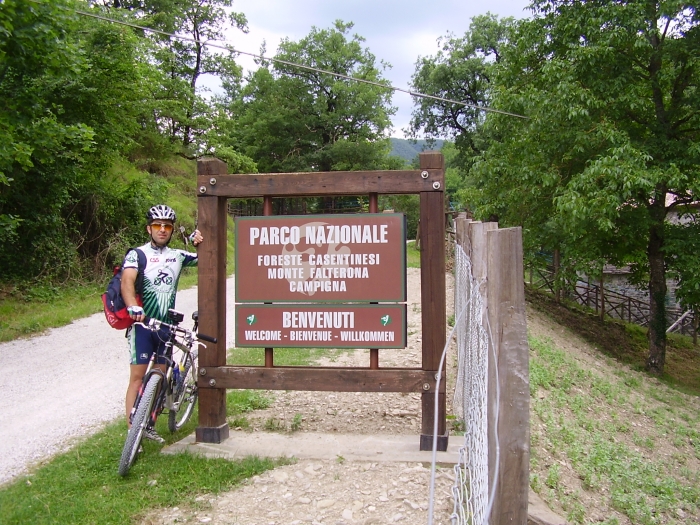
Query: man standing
160, 280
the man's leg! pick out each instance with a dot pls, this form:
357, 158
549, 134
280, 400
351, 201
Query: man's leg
140, 350
136, 373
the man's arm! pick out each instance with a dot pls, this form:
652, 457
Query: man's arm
196, 238
191, 258
129, 293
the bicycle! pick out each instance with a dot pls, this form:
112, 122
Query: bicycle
174, 388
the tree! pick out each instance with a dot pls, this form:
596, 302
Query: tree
38, 149
295, 119
185, 113
462, 71
612, 144
73, 93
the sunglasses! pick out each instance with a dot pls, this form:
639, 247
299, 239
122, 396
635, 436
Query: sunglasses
161, 226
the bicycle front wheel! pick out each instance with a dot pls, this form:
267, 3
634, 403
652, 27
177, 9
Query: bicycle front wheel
138, 424
185, 395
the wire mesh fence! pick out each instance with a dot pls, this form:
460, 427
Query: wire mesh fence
470, 490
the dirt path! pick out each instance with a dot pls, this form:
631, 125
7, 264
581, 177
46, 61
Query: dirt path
309, 492
62, 385
337, 491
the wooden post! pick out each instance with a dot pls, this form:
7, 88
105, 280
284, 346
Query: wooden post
213, 427
629, 309
596, 300
374, 352
433, 307
269, 352
506, 313
588, 292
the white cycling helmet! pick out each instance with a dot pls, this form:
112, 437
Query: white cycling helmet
160, 212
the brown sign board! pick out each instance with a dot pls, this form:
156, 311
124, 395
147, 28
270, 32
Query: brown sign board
321, 258
321, 325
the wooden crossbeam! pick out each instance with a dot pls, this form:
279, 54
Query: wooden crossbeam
322, 183
321, 379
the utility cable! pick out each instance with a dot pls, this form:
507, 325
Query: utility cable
231, 49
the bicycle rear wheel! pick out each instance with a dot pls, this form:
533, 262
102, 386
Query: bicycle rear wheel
185, 395
138, 424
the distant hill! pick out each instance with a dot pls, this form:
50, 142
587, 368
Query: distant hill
408, 150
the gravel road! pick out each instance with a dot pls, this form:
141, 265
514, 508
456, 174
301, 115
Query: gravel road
65, 384
55, 406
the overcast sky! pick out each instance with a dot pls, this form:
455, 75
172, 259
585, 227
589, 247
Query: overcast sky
397, 32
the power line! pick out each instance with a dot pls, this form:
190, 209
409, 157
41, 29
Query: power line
293, 64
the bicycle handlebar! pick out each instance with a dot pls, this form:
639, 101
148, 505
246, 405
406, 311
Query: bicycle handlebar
154, 324
207, 338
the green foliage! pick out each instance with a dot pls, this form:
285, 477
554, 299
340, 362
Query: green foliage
683, 246
187, 114
87, 106
461, 71
39, 149
72, 93
610, 92
293, 119
82, 485
407, 204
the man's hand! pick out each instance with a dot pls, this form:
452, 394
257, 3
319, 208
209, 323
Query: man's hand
135, 312
196, 238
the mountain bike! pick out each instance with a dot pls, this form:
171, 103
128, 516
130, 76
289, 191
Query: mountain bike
173, 389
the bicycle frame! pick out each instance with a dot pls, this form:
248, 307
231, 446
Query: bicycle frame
165, 394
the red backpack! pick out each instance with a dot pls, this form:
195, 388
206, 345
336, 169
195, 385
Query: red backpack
115, 309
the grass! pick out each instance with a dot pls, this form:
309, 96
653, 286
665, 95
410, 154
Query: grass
412, 256
587, 432
34, 308
82, 485
282, 356
626, 437
625, 343
42, 306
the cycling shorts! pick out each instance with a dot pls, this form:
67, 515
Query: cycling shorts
143, 342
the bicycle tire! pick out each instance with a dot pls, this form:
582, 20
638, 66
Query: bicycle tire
185, 395
138, 424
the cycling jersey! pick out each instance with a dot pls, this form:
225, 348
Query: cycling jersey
160, 277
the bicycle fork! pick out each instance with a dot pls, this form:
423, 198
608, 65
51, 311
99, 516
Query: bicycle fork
150, 370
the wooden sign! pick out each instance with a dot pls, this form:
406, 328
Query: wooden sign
321, 258
321, 325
